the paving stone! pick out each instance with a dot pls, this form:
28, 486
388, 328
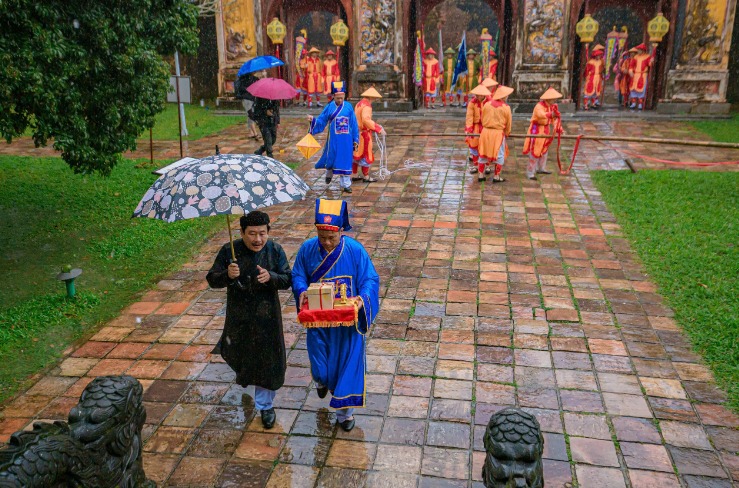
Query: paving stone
593, 451
246, 474
294, 476
310, 451
448, 434
597, 477
636, 430
684, 435
592, 426
651, 479
445, 463
697, 462
646, 456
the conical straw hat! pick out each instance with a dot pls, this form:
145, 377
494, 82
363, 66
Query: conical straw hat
599, 47
502, 92
371, 93
550, 94
489, 82
480, 90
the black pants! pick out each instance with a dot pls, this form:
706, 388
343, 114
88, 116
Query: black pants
269, 137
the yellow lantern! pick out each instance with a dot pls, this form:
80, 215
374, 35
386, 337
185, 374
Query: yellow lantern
308, 146
339, 33
587, 29
657, 28
276, 31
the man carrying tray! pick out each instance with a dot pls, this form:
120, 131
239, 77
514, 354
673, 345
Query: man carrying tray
337, 349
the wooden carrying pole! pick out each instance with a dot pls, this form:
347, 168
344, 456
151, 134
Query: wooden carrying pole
648, 140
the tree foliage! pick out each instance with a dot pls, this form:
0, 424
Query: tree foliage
88, 74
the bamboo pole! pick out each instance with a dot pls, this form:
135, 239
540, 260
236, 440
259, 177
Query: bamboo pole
648, 140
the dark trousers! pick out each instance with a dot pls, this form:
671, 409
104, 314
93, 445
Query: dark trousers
269, 137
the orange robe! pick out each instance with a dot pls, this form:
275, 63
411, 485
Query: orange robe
473, 122
312, 72
430, 76
330, 74
496, 125
594, 78
544, 121
492, 71
624, 81
363, 112
639, 70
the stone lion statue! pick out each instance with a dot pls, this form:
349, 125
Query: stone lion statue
100, 446
514, 446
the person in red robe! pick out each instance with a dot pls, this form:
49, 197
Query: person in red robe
430, 78
594, 78
330, 73
313, 81
639, 68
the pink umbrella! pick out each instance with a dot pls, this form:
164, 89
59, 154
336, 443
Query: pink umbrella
272, 89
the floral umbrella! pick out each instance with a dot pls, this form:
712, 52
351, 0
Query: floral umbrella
224, 184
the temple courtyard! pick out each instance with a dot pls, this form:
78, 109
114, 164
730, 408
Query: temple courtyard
523, 294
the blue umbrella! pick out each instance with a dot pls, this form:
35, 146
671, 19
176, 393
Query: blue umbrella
258, 64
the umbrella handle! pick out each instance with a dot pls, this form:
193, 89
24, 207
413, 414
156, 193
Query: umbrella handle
230, 237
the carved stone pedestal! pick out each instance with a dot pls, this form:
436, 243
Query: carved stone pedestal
385, 80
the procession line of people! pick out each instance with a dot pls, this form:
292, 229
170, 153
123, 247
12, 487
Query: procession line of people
252, 342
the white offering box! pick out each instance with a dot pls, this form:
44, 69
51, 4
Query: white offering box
321, 296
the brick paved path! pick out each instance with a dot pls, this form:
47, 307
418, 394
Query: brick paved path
523, 294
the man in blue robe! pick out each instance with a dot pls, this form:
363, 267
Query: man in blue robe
337, 354
343, 136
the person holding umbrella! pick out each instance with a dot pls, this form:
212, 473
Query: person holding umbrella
267, 117
267, 92
253, 343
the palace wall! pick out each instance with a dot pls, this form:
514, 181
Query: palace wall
538, 40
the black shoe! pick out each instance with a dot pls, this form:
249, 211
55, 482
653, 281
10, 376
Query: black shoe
544, 172
357, 178
533, 178
347, 424
328, 179
347, 190
322, 391
268, 418
481, 179
369, 180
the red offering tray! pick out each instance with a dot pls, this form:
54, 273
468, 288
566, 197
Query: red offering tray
340, 316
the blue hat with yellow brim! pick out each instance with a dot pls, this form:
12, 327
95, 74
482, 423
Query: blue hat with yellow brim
332, 215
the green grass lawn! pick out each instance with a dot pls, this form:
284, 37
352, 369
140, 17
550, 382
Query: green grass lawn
50, 217
685, 227
720, 130
201, 122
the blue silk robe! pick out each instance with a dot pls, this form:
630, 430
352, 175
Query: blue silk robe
337, 354
338, 154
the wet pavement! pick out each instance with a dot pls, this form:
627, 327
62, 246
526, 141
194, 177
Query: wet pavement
516, 294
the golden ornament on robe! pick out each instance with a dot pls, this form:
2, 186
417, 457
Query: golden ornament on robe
308, 146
